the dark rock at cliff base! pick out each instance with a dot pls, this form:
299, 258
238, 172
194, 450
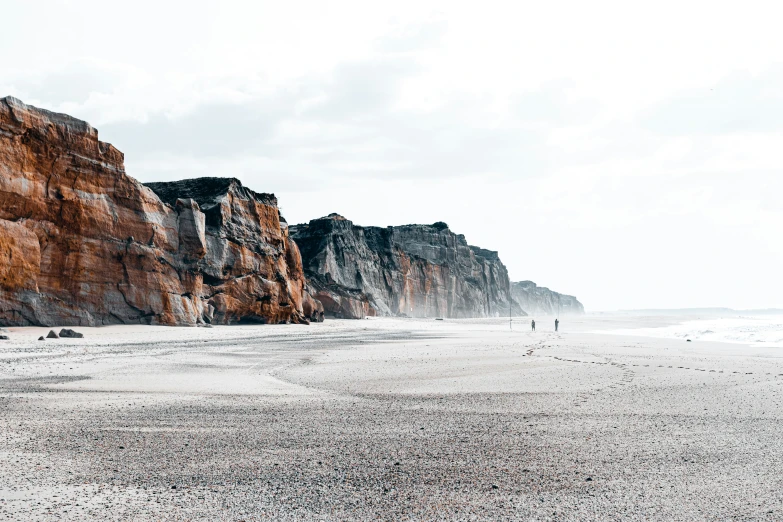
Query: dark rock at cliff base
42, 338
539, 300
52, 335
82, 243
67, 332
338, 301
410, 270
4, 337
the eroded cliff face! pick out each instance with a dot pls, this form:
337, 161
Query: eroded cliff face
541, 300
411, 270
82, 243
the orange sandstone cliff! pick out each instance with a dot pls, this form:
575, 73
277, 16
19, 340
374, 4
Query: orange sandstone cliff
82, 243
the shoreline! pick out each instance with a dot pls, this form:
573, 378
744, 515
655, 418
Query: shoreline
390, 419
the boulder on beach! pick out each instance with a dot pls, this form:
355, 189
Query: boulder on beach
67, 332
42, 338
52, 335
4, 337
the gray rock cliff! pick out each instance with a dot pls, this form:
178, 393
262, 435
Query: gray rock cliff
541, 300
410, 270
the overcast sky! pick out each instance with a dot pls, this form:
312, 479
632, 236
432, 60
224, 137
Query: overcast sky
628, 153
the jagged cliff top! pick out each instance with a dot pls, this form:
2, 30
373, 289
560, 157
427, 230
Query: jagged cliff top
30, 116
486, 254
206, 191
334, 216
416, 239
440, 226
530, 286
60, 131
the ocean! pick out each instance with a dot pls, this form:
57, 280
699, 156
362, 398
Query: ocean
757, 331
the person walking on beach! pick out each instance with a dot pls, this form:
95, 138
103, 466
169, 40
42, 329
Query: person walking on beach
533, 324
557, 323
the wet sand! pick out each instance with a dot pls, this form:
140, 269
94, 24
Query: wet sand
389, 419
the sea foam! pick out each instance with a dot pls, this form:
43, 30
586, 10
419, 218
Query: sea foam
766, 331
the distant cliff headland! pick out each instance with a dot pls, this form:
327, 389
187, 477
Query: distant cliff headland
541, 300
83, 243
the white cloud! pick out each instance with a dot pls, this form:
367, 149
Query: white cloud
627, 153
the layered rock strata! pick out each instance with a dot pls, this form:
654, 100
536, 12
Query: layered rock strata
82, 243
411, 270
541, 300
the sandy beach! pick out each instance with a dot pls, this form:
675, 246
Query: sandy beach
390, 419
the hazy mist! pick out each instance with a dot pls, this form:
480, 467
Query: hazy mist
630, 157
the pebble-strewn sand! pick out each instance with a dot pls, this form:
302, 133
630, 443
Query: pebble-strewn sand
389, 419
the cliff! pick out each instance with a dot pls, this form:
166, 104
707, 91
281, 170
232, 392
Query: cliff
82, 243
541, 300
411, 270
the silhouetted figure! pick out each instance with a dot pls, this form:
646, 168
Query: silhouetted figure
533, 324
557, 323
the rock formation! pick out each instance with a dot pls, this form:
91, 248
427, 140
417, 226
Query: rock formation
541, 300
68, 333
82, 243
411, 270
